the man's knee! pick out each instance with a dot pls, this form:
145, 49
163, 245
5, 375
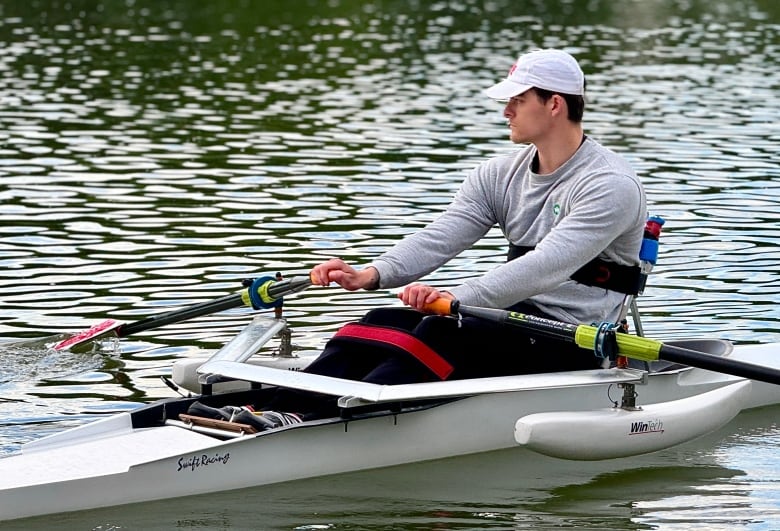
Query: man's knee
402, 318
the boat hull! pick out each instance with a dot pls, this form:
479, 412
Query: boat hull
129, 458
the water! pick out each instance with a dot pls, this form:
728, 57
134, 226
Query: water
154, 154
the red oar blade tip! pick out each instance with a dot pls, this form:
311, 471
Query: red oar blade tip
88, 335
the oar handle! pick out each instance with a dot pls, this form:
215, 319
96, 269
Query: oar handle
442, 306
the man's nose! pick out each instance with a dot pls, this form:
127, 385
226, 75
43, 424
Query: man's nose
508, 111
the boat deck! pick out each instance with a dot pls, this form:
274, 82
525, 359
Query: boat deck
98, 456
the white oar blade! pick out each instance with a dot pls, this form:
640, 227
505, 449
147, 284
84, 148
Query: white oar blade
90, 334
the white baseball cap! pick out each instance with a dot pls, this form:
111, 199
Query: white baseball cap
553, 70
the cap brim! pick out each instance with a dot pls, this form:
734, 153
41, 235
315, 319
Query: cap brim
505, 89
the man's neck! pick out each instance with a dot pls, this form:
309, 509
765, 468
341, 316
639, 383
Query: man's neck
555, 152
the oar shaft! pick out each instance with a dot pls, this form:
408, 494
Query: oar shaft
629, 345
289, 286
276, 290
582, 335
720, 364
537, 325
155, 321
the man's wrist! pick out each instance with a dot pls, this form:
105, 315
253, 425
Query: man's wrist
373, 279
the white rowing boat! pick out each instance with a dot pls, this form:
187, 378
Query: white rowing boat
153, 453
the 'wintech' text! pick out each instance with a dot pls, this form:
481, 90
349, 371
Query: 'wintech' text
651, 426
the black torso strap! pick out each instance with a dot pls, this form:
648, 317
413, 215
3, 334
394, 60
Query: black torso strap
599, 273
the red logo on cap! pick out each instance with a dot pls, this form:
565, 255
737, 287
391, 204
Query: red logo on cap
512, 69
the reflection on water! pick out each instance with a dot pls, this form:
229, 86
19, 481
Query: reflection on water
154, 154
645, 497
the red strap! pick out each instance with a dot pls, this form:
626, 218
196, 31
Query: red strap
402, 340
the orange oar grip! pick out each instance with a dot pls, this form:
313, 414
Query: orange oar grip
440, 306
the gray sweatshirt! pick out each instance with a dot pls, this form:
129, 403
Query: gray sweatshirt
593, 205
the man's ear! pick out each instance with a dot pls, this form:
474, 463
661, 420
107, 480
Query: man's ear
557, 105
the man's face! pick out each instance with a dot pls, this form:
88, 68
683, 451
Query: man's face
528, 116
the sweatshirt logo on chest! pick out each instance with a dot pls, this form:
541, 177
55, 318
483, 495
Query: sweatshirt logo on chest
556, 209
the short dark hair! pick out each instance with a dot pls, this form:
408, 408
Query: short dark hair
575, 103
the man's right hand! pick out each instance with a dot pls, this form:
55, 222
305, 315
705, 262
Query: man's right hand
419, 296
